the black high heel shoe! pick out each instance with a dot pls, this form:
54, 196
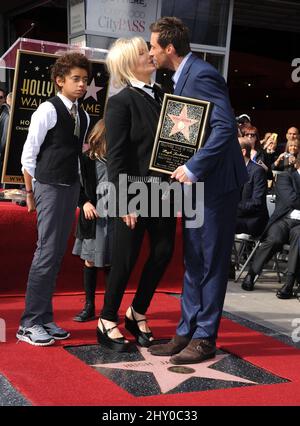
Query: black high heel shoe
142, 337
118, 344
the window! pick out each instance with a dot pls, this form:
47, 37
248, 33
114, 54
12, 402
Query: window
206, 19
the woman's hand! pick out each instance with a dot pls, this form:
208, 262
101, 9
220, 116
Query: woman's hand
90, 211
281, 157
30, 202
130, 220
292, 160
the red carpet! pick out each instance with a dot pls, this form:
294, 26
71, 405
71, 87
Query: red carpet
17, 245
52, 376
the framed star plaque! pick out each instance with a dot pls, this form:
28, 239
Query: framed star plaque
180, 132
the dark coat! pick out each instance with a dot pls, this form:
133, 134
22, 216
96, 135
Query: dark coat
252, 209
131, 120
87, 228
287, 195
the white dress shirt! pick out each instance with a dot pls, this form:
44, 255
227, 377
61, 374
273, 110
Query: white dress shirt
178, 72
42, 120
141, 85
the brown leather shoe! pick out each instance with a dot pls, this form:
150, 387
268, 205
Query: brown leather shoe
171, 348
196, 351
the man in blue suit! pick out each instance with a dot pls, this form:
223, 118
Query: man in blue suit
220, 165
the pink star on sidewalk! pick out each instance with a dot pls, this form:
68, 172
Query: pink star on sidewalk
168, 380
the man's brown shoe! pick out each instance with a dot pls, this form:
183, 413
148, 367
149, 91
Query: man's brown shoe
196, 351
171, 348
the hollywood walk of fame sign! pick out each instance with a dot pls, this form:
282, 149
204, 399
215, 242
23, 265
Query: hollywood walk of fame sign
32, 86
180, 132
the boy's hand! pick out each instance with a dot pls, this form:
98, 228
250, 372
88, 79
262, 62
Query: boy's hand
90, 211
30, 203
130, 220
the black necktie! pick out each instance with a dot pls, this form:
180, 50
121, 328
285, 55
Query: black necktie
158, 93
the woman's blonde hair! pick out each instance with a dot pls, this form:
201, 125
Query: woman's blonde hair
122, 59
97, 141
296, 141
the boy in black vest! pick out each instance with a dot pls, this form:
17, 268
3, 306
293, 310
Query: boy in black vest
50, 158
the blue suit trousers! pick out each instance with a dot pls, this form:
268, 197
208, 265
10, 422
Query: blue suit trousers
207, 251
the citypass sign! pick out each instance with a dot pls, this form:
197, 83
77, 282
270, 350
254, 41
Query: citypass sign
121, 18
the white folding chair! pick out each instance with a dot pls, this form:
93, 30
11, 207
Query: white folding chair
244, 246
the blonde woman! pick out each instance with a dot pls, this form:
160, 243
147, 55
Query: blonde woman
286, 160
131, 121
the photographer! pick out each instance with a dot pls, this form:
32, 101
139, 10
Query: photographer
286, 160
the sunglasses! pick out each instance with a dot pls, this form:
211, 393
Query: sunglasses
252, 135
1, 97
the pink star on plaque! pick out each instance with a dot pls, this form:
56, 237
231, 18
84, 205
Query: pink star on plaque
182, 123
92, 90
166, 373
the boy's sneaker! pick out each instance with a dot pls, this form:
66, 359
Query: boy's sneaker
35, 335
55, 331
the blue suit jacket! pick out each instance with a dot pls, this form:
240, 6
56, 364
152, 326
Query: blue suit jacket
219, 163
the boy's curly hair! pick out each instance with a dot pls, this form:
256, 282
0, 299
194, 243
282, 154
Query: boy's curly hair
66, 62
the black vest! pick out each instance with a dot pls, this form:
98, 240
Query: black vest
57, 161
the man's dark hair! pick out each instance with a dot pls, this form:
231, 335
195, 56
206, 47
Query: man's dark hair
66, 62
172, 31
246, 145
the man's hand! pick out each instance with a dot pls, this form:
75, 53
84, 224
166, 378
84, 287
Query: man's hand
30, 203
130, 220
89, 211
179, 174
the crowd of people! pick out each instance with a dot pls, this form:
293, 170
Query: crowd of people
235, 172
282, 172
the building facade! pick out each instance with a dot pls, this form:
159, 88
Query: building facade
253, 44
